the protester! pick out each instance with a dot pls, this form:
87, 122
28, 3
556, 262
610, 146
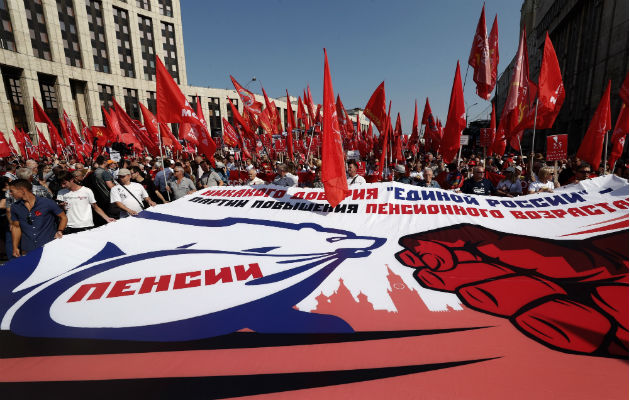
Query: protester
428, 179
544, 182
101, 182
353, 174
78, 202
478, 184
140, 177
162, 177
511, 185
253, 179
399, 174
284, 178
209, 177
33, 219
180, 186
128, 196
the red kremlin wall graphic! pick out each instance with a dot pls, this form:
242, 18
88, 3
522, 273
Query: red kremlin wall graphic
411, 311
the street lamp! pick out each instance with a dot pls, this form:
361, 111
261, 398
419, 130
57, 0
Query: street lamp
250, 81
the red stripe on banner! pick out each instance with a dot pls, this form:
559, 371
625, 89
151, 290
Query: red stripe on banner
609, 220
618, 225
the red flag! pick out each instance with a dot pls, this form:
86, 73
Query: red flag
41, 116
618, 138
186, 132
264, 119
149, 122
111, 122
427, 111
479, 58
271, 114
550, 88
239, 119
591, 147
21, 142
333, 165
488, 134
375, 108
520, 97
230, 136
199, 110
384, 141
415, 134
623, 91
243, 144
308, 99
248, 98
290, 125
456, 120
44, 146
397, 140
168, 139
302, 116
172, 105
493, 47
5, 149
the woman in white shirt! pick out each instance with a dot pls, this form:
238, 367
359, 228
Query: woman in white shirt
544, 182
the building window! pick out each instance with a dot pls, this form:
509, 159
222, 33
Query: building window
123, 37
7, 40
144, 4
106, 96
145, 26
230, 116
69, 34
214, 115
131, 103
193, 102
13, 88
151, 102
49, 98
166, 7
170, 51
37, 29
97, 35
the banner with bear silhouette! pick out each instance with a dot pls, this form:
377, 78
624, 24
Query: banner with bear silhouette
397, 291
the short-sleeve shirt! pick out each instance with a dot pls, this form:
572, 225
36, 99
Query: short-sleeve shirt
182, 188
210, 178
101, 190
510, 187
483, 187
38, 225
356, 180
536, 186
78, 206
131, 200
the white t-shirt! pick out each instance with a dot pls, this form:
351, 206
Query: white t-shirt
119, 193
358, 181
78, 206
536, 186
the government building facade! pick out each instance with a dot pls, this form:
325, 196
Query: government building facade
79, 55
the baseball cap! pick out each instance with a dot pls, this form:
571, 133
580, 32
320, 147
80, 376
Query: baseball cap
123, 171
400, 168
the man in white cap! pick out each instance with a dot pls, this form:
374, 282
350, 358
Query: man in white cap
128, 195
399, 174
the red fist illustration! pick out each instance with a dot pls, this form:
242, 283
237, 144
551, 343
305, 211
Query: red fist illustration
571, 295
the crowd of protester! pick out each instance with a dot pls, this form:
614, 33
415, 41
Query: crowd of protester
46, 199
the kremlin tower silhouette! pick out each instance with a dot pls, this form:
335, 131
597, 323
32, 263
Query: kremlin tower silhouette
411, 311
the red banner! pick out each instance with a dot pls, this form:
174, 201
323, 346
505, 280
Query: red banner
557, 146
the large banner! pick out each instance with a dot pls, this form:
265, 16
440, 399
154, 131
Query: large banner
399, 291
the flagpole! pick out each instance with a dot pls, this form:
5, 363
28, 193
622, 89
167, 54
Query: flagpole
168, 195
465, 77
308, 151
531, 161
605, 152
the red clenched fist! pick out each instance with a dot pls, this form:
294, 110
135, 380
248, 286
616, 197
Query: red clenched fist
571, 295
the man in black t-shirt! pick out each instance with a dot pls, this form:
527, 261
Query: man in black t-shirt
478, 184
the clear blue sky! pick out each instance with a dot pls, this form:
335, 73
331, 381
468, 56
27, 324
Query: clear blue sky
412, 45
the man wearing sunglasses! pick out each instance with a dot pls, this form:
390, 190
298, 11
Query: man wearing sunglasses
33, 219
